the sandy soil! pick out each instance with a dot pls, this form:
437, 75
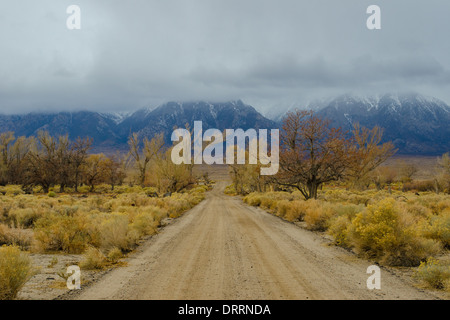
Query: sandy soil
224, 249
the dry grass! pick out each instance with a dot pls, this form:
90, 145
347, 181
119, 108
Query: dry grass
93, 259
434, 273
15, 271
101, 226
71, 222
394, 228
15, 236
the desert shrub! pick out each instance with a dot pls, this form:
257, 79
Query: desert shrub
339, 229
83, 189
386, 234
317, 215
340, 223
15, 271
67, 210
102, 188
71, 234
199, 189
434, 273
439, 228
93, 258
420, 186
268, 200
253, 199
296, 210
25, 217
113, 230
51, 194
176, 206
14, 236
195, 198
144, 223
114, 255
230, 190
418, 210
437, 203
11, 190
282, 208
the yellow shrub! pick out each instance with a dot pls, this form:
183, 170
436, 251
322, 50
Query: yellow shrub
339, 229
93, 258
25, 217
113, 230
340, 223
144, 223
317, 215
296, 210
435, 273
70, 234
14, 236
230, 190
383, 234
253, 199
439, 228
11, 190
15, 271
282, 208
114, 255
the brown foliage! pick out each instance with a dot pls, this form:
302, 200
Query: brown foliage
312, 153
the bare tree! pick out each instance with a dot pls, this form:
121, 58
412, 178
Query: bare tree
312, 153
115, 170
442, 179
171, 177
42, 163
142, 158
6, 139
18, 157
79, 153
368, 152
94, 170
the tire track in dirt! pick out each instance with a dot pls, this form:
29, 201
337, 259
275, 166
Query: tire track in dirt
224, 249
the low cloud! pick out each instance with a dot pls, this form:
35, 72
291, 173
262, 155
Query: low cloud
140, 53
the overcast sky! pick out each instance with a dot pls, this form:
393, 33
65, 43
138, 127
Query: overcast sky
269, 53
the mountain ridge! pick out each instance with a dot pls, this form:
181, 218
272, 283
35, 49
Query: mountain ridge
416, 124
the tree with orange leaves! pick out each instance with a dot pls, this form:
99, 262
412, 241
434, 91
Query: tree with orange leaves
312, 153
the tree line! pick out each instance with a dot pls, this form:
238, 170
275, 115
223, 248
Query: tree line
313, 153
48, 161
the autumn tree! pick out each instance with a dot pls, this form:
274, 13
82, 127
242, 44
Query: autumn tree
406, 171
442, 179
114, 170
367, 153
383, 176
311, 153
18, 157
142, 158
51, 160
6, 139
63, 163
42, 163
247, 177
79, 153
94, 170
171, 177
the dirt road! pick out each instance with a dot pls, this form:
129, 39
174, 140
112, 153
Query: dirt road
224, 249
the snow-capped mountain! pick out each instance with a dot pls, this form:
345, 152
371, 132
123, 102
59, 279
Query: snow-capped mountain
110, 131
117, 117
228, 115
415, 123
